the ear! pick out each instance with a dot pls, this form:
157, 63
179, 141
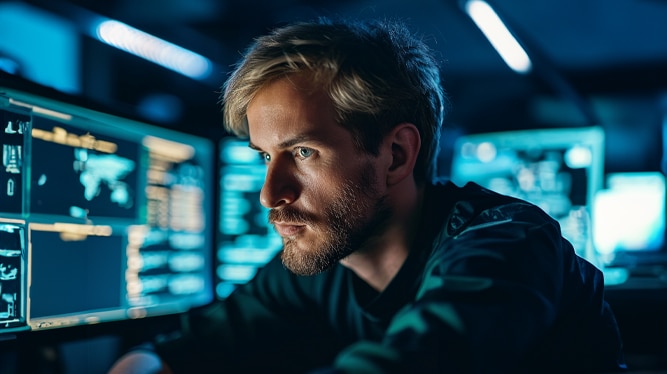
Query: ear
405, 143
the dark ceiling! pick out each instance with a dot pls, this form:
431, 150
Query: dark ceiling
583, 50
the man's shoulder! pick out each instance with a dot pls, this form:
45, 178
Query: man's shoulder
471, 197
472, 204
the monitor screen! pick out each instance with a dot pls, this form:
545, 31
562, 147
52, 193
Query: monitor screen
102, 218
630, 215
559, 170
246, 241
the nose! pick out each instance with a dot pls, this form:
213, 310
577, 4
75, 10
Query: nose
280, 187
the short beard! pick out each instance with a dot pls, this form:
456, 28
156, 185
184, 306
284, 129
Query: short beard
355, 217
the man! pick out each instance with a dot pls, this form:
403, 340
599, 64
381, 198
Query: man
382, 271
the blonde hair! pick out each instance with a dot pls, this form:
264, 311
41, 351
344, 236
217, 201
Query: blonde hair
376, 73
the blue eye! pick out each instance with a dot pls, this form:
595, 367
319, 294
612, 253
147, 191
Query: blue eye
266, 157
304, 152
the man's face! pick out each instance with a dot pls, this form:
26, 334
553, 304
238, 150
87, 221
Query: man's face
325, 195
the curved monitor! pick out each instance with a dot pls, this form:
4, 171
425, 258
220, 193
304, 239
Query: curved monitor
102, 218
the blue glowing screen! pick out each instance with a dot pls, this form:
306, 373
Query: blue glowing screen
246, 240
560, 170
101, 218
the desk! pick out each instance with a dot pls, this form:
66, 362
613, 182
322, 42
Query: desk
640, 305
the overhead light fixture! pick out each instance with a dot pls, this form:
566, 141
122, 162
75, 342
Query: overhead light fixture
154, 49
499, 36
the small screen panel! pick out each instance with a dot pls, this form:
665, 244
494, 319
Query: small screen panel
559, 170
80, 279
246, 241
116, 214
13, 155
13, 275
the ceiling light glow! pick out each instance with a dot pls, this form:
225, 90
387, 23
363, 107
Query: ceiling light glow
499, 36
151, 48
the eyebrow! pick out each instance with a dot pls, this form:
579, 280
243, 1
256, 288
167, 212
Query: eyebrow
287, 143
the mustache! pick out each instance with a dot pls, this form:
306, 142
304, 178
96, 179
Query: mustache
289, 214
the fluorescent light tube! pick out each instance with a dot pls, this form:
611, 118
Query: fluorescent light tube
154, 49
499, 36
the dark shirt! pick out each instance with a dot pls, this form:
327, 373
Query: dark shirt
489, 286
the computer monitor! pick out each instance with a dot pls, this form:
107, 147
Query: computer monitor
629, 225
558, 169
102, 218
246, 241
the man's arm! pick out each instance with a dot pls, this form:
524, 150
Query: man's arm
264, 325
141, 360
